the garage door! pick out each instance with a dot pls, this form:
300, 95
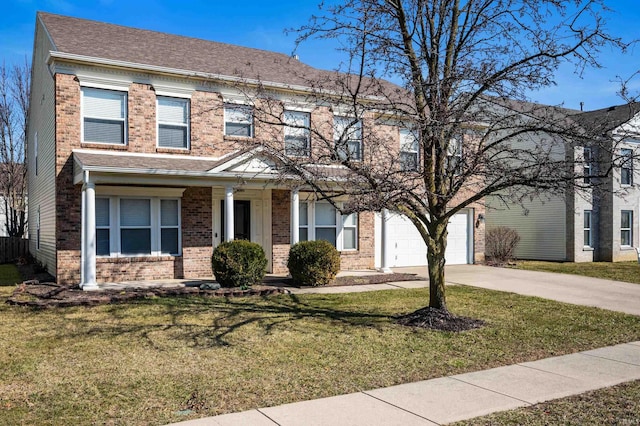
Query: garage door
405, 246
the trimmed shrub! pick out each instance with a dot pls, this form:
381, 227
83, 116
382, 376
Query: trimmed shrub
313, 263
238, 263
500, 244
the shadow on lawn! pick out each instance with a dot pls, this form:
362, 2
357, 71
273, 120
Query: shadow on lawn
209, 322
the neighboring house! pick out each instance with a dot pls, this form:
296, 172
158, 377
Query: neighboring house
599, 223
135, 165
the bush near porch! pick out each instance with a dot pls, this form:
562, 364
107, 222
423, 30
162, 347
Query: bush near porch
238, 263
313, 263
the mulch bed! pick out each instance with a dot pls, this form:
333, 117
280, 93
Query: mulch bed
36, 294
48, 295
439, 319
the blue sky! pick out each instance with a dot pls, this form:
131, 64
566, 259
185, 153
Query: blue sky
260, 24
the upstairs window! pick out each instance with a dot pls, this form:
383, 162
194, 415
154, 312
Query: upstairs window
296, 134
409, 157
347, 133
238, 120
588, 164
173, 123
454, 155
104, 116
626, 167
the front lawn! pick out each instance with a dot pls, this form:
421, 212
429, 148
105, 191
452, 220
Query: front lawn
9, 274
617, 405
170, 359
618, 271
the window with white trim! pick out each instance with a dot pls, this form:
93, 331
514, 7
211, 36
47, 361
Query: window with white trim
173, 122
103, 227
296, 133
104, 116
137, 226
454, 155
409, 157
588, 235
626, 228
626, 166
321, 221
588, 164
347, 136
238, 120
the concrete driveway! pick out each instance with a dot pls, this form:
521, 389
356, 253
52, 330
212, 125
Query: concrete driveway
575, 289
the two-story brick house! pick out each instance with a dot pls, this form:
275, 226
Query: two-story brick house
139, 162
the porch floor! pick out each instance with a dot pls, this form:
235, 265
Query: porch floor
197, 282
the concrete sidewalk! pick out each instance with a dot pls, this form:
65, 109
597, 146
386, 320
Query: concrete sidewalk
449, 399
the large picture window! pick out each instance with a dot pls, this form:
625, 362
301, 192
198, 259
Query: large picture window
238, 120
321, 221
104, 116
137, 226
173, 123
347, 135
296, 133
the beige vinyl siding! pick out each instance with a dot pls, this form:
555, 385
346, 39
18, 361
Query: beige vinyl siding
42, 186
541, 226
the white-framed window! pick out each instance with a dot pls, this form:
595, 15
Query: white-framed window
626, 228
588, 234
173, 122
104, 116
409, 154
137, 226
347, 136
238, 120
454, 155
321, 221
626, 166
103, 226
588, 164
296, 133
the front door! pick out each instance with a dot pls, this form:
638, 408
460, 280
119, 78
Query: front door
241, 219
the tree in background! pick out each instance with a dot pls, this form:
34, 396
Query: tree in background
14, 107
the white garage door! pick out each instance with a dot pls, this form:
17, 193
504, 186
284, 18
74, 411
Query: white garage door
405, 246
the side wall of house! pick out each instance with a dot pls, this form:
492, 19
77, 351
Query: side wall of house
41, 185
541, 224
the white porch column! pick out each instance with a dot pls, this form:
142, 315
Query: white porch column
228, 214
295, 216
384, 232
89, 235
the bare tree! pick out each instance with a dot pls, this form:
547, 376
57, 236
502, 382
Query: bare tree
14, 107
464, 69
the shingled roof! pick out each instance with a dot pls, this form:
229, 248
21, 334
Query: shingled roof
100, 40
607, 119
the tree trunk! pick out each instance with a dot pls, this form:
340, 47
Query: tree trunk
437, 245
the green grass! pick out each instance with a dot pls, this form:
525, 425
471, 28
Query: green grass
618, 271
617, 405
142, 363
9, 274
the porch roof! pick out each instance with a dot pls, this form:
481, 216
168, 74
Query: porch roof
140, 168
245, 165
